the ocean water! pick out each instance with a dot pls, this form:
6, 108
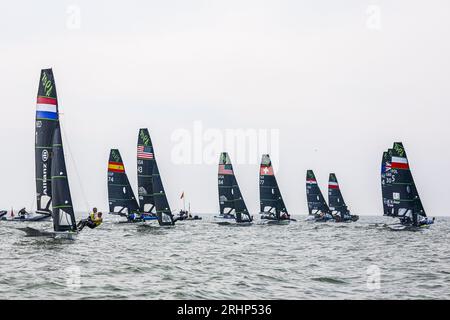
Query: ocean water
203, 260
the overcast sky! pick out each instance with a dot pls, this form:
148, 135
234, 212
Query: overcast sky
331, 83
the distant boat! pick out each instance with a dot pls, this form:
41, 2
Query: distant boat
231, 202
186, 215
336, 202
145, 162
164, 214
64, 223
121, 197
400, 196
47, 119
317, 207
273, 209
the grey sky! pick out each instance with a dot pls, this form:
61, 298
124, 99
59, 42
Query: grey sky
340, 85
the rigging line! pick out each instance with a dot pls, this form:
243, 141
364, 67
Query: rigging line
75, 167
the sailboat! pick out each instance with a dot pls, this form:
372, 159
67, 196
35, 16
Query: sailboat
47, 120
400, 196
145, 163
121, 197
164, 214
185, 215
273, 209
317, 207
336, 202
231, 203
64, 223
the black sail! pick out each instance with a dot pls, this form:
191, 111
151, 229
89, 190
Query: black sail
316, 201
62, 209
46, 121
165, 217
405, 197
335, 199
225, 183
145, 163
270, 198
230, 196
386, 183
120, 194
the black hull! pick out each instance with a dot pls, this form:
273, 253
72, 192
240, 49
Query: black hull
31, 232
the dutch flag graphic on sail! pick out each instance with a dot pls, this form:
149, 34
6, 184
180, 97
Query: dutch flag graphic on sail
46, 108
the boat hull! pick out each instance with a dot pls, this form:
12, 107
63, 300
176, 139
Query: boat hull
275, 222
31, 232
33, 218
230, 221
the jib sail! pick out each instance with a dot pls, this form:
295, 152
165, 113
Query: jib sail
120, 194
316, 201
271, 201
47, 120
163, 211
335, 199
145, 162
62, 209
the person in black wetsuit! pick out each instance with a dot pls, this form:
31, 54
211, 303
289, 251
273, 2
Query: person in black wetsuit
22, 214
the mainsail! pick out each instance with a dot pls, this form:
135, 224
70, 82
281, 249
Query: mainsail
120, 194
271, 201
335, 199
230, 196
386, 182
145, 163
225, 184
405, 197
46, 121
163, 211
316, 201
62, 210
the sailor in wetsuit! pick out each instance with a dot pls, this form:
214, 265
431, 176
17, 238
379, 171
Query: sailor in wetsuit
93, 221
285, 216
22, 214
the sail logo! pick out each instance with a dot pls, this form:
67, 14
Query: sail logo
46, 84
44, 155
145, 138
200, 145
115, 156
44, 179
399, 149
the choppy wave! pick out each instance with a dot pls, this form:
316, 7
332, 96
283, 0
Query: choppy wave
203, 260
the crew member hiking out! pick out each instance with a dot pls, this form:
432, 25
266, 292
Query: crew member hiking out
93, 221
